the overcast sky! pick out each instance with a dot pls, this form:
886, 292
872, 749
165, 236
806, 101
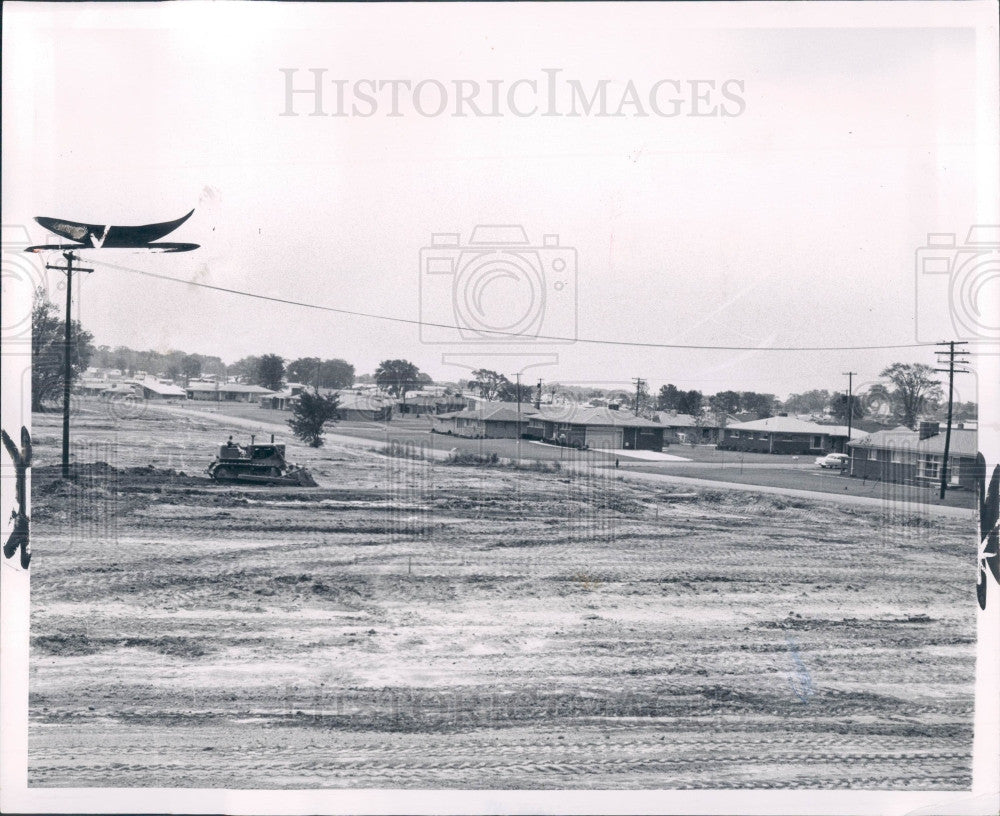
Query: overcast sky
794, 223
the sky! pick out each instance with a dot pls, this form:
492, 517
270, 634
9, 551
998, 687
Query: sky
795, 221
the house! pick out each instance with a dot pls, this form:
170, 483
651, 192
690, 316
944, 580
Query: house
911, 457
284, 399
363, 407
597, 428
784, 434
158, 391
226, 392
352, 406
90, 387
687, 428
430, 401
489, 420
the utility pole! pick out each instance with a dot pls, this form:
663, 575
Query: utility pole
517, 377
639, 383
950, 361
67, 367
538, 397
850, 402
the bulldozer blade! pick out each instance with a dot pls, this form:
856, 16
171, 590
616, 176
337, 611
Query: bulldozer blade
305, 478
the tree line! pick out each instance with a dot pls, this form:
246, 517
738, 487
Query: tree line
905, 390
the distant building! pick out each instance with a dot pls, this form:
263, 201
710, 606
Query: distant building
351, 405
704, 430
595, 428
426, 401
911, 457
226, 392
784, 434
159, 391
284, 399
364, 407
490, 420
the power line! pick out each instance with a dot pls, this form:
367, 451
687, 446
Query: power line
502, 333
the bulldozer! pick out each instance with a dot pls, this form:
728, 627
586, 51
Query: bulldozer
257, 464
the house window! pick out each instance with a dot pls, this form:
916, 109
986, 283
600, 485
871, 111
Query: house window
873, 454
928, 468
817, 442
897, 457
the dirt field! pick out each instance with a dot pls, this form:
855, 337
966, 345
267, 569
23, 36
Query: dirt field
415, 624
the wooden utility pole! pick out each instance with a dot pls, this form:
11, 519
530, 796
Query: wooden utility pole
67, 353
950, 361
538, 397
517, 377
639, 383
850, 402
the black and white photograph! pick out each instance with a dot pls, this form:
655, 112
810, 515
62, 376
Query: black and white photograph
500, 408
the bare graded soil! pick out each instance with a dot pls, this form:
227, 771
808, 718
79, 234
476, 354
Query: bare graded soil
415, 624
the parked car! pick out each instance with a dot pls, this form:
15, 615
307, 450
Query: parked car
833, 460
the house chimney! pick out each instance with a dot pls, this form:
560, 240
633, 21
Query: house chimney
929, 429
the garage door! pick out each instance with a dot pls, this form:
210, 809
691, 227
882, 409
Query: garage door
604, 438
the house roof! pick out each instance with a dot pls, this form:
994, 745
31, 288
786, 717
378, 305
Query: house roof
669, 420
234, 388
164, 389
494, 412
793, 425
586, 415
898, 437
352, 401
963, 441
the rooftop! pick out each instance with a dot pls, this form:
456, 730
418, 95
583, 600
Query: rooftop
494, 412
586, 415
963, 441
235, 388
787, 424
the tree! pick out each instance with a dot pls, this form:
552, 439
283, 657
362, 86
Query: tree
48, 344
810, 402
310, 415
190, 367
245, 368
668, 398
638, 399
490, 384
270, 372
760, 404
915, 388
511, 390
725, 402
334, 373
838, 407
397, 376
878, 402
690, 402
